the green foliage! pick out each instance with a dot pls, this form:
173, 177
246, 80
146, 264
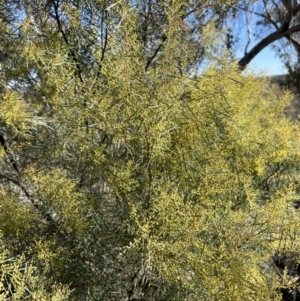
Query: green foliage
19, 281
127, 175
13, 113
213, 218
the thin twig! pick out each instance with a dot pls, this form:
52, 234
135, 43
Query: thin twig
24, 188
150, 60
9, 155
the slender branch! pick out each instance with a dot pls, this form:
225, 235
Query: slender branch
296, 44
35, 202
296, 10
248, 30
73, 55
9, 155
150, 60
55, 5
198, 6
287, 4
24, 188
104, 46
276, 7
103, 50
268, 18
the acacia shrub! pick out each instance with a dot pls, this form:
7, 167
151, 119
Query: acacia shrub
149, 184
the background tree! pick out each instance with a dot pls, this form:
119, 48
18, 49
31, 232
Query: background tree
265, 23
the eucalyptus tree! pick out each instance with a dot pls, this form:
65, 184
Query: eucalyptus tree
268, 23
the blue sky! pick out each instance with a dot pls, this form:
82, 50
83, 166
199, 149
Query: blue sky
267, 61
264, 60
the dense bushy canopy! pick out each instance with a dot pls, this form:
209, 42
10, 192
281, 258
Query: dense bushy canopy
127, 175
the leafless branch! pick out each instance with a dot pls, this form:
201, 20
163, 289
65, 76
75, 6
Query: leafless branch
150, 60
24, 188
268, 18
248, 21
9, 155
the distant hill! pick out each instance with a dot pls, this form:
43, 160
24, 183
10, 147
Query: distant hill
280, 80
